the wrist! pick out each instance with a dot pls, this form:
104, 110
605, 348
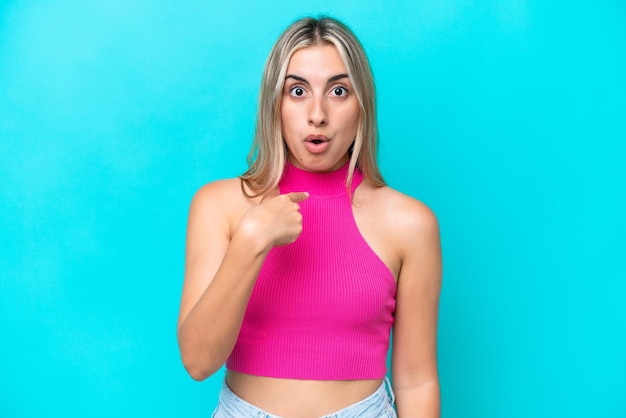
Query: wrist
249, 235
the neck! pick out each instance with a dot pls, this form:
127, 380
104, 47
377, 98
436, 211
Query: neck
329, 183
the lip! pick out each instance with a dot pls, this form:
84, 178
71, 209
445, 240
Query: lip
316, 137
316, 143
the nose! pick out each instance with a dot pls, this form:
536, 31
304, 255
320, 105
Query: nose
317, 112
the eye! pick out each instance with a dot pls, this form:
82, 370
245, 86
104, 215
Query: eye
340, 91
297, 91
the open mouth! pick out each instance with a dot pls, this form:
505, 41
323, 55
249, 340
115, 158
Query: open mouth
316, 143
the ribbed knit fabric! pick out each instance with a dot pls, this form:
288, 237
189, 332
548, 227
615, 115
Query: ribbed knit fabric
322, 307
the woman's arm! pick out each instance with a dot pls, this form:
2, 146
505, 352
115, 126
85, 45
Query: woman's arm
414, 353
221, 267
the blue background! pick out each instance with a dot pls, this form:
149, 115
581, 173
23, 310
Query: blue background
508, 118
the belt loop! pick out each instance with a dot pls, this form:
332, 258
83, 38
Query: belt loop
390, 390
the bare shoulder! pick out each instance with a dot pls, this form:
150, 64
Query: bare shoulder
407, 208
216, 195
222, 202
227, 189
411, 222
406, 212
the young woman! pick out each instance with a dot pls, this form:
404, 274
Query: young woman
297, 271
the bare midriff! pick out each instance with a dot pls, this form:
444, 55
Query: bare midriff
296, 398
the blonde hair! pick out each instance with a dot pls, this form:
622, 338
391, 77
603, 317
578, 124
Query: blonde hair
268, 155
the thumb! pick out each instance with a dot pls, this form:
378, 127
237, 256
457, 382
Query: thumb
297, 197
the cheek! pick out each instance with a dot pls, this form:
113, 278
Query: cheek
351, 119
287, 117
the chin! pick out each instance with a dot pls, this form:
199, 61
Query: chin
321, 167
318, 163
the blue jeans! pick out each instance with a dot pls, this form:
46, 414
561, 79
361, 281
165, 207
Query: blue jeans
377, 405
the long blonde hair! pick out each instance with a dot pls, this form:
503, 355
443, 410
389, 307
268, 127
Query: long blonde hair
268, 155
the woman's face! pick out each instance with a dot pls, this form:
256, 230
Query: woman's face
319, 110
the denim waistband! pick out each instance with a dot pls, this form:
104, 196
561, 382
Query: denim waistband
377, 405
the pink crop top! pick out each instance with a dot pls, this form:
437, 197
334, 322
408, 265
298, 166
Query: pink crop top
322, 307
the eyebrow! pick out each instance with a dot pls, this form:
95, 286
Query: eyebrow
304, 80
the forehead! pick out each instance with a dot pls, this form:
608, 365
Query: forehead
312, 60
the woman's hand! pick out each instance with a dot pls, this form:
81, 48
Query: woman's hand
276, 220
